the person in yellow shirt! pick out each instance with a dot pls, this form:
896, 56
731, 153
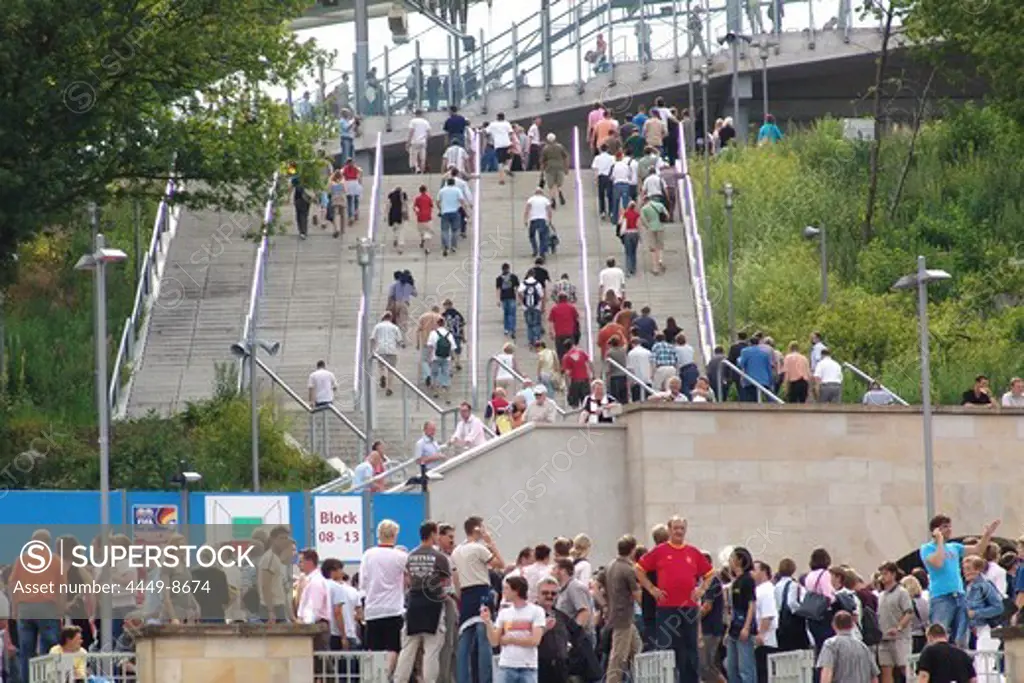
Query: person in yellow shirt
70, 645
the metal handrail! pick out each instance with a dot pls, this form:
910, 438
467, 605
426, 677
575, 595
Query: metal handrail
133, 334
259, 272
363, 317
409, 384
643, 385
869, 379
331, 408
494, 360
582, 232
344, 482
760, 387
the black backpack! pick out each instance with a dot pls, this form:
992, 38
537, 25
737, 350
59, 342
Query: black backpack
443, 345
870, 631
792, 632
532, 296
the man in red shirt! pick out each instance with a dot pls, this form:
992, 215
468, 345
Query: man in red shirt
684, 574
565, 320
424, 207
578, 371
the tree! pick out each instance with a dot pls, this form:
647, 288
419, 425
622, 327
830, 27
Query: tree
101, 98
976, 38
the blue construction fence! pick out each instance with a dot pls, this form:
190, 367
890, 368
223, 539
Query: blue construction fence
336, 525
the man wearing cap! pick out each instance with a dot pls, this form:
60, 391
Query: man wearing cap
554, 160
543, 409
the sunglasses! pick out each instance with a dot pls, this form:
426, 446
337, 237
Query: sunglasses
548, 594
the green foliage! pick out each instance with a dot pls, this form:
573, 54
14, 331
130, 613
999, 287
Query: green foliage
99, 97
960, 207
212, 437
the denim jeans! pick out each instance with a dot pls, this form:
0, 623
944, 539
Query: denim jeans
677, 631
348, 148
508, 309
352, 202
951, 612
449, 230
740, 663
630, 242
516, 675
473, 646
45, 631
534, 325
424, 362
620, 199
539, 237
441, 372
604, 194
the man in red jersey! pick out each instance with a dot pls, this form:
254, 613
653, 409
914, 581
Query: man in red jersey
424, 207
684, 574
565, 320
577, 370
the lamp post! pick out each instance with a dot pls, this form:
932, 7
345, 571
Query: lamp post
730, 193
733, 40
810, 232
364, 256
920, 280
182, 478
763, 48
247, 349
97, 262
707, 155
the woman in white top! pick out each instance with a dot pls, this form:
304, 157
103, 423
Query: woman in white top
599, 407
502, 377
582, 569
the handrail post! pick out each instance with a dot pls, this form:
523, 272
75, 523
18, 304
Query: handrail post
386, 95
810, 25
483, 74
419, 80
675, 44
611, 47
644, 42
451, 76
515, 65
579, 48
545, 49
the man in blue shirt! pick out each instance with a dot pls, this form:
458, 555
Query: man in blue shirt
449, 200
756, 361
455, 126
942, 560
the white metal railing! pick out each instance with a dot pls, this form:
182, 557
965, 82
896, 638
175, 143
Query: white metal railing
259, 274
358, 381
658, 666
695, 254
350, 667
798, 666
644, 386
761, 389
133, 335
100, 667
871, 380
582, 232
474, 295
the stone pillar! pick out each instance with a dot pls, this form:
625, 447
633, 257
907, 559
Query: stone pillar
1013, 644
211, 653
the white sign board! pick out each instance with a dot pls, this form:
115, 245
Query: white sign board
859, 129
234, 518
338, 527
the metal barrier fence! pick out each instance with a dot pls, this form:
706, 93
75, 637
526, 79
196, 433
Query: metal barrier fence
798, 666
107, 667
351, 667
654, 667
133, 335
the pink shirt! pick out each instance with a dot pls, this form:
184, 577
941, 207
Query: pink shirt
796, 367
593, 117
820, 581
315, 604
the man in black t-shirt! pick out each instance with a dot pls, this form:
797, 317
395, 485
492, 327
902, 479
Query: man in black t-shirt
507, 286
979, 394
942, 662
712, 627
455, 127
429, 573
541, 273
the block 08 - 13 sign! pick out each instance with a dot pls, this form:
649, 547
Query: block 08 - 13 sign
338, 525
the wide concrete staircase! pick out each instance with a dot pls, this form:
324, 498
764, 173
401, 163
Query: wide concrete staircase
203, 297
311, 301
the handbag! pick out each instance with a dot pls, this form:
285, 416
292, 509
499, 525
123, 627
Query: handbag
814, 606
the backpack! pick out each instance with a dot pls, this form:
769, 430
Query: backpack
532, 295
604, 314
792, 633
870, 631
443, 345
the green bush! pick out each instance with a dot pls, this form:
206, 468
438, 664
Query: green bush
959, 206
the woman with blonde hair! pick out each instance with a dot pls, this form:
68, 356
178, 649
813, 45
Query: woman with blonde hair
582, 569
919, 624
336, 190
502, 377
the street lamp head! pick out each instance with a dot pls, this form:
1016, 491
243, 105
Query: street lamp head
810, 232
762, 51
240, 349
100, 257
364, 251
272, 348
913, 280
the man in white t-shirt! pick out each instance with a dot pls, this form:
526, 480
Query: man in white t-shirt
537, 217
534, 141
611, 279
654, 187
419, 134
501, 133
639, 363
828, 378
441, 343
344, 606
518, 629
622, 179
766, 612
458, 158
321, 385
385, 340
602, 167
382, 578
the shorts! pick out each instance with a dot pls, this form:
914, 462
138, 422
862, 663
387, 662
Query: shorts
424, 228
657, 239
894, 652
554, 178
384, 635
502, 154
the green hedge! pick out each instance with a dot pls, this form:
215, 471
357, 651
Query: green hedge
960, 207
